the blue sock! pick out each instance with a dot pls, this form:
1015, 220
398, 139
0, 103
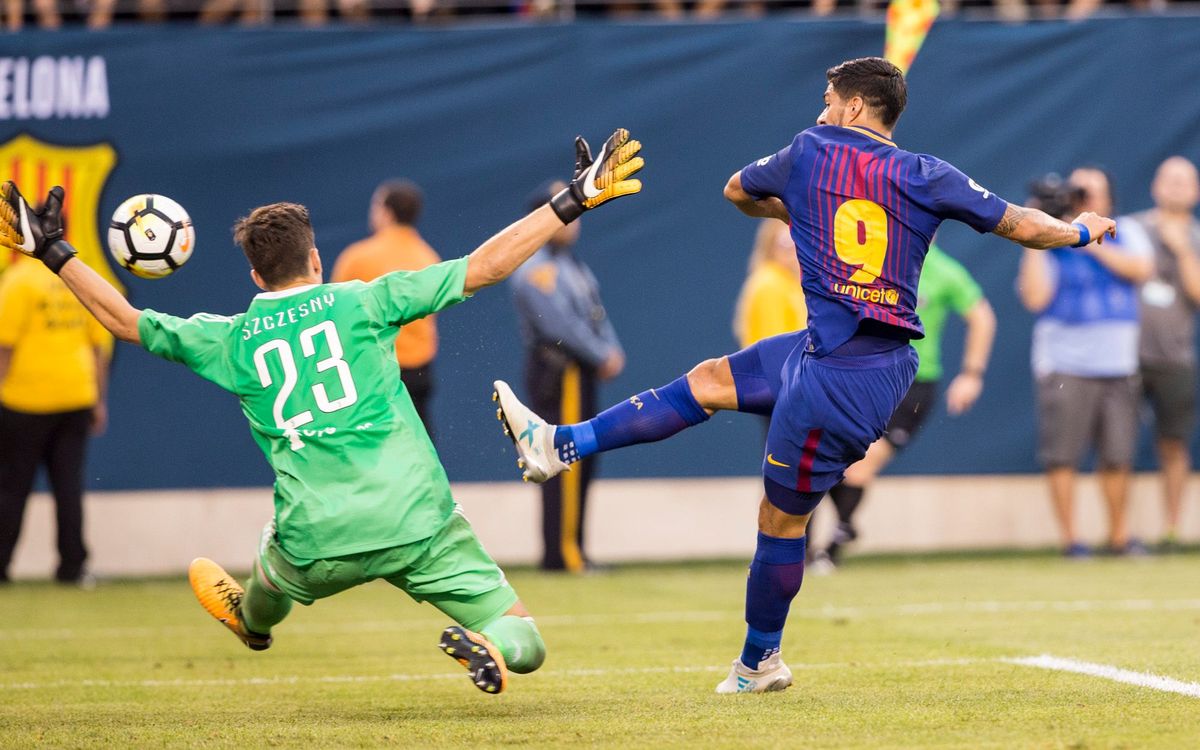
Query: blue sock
775, 577
649, 416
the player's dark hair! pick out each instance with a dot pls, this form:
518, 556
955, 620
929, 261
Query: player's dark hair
402, 199
879, 82
276, 240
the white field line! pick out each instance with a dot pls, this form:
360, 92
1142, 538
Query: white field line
1045, 661
337, 679
827, 612
1104, 671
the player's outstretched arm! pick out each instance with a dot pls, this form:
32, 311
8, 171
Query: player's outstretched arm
104, 302
495, 260
1037, 229
766, 208
39, 234
596, 181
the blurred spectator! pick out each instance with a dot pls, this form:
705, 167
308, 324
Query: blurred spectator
46, 11
715, 8
250, 11
1085, 352
772, 299
100, 12
397, 246
668, 9
316, 12
570, 345
53, 379
1169, 302
946, 286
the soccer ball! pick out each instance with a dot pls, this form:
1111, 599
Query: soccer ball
151, 236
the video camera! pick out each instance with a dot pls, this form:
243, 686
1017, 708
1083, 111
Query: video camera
1054, 195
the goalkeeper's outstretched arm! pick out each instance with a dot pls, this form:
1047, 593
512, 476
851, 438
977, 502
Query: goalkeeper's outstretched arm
495, 260
102, 300
596, 181
39, 234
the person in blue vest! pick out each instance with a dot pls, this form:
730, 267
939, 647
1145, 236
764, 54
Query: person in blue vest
1085, 353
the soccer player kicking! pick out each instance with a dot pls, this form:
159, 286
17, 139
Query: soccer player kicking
359, 491
862, 212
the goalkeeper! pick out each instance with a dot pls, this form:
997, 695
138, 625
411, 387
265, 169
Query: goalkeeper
359, 491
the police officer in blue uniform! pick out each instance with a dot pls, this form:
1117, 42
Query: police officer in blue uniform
570, 346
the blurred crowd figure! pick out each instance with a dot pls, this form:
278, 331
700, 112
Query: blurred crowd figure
1167, 348
771, 301
54, 360
396, 245
570, 347
1085, 353
97, 14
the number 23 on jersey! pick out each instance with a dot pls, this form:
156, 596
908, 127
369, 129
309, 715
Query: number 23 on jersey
291, 376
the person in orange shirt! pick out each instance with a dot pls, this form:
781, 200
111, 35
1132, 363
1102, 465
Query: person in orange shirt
395, 245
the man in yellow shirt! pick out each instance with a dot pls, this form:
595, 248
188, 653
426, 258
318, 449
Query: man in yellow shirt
395, 245
53, 376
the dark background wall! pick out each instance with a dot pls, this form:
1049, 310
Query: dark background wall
225, 120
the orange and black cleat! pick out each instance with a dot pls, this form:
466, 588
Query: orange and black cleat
483, 660
221, 596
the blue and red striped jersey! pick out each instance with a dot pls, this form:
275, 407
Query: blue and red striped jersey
863, 213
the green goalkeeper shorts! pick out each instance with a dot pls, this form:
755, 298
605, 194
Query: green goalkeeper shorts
450, 570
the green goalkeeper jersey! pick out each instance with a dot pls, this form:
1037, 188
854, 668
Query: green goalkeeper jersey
314, 368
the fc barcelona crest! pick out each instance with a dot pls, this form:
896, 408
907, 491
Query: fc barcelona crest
37, 166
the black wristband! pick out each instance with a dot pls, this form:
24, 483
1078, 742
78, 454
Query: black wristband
566, 206
56, 255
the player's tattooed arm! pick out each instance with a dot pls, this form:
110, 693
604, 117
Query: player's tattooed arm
766, 208
1037, 229
1033, 228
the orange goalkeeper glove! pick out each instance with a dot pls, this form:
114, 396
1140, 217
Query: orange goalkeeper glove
601, 179
35, 233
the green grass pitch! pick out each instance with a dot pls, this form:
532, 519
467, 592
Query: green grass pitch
888, 653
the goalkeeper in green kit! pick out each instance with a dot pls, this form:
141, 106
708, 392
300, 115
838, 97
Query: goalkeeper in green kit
359, 491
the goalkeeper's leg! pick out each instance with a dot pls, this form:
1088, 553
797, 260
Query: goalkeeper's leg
264, 605
490, 648
249, 613
494, 633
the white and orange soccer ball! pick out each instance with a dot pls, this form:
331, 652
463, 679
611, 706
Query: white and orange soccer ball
151, 236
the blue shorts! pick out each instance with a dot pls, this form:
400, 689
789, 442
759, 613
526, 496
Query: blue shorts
825, 411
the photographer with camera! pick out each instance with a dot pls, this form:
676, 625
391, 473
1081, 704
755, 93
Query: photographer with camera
1085, 352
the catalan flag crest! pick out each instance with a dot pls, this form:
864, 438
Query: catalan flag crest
36, 166
908, 22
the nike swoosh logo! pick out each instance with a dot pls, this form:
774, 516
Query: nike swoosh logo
589, 183
771, 460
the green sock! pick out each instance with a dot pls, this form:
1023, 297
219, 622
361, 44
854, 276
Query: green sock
263, 608
519, 641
